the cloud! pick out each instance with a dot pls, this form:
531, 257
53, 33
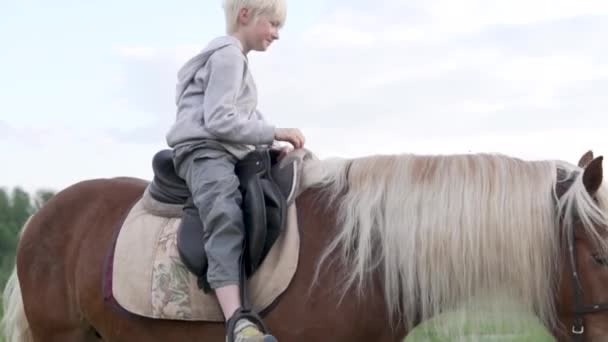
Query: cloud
412, 71
65, 158
147, 82
446, 17
145, 88
478, 14
5, 129
28, 135
137, 52
145, 133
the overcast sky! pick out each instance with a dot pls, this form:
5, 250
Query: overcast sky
87, 87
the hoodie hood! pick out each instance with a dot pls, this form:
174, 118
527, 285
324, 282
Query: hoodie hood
187, 72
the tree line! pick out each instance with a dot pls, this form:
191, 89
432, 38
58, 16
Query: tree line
16, 206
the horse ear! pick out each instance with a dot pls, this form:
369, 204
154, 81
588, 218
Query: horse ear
586, 159
593, 174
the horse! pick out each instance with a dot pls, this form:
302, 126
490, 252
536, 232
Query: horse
387, 242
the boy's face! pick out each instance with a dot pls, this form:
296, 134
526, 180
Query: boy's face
261, 32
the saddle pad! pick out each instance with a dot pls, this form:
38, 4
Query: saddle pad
149, 278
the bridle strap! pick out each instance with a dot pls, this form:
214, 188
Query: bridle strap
578, 325
595, 308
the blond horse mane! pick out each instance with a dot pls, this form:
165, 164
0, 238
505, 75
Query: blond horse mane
445, 229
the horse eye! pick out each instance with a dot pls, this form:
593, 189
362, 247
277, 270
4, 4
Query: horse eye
601, 259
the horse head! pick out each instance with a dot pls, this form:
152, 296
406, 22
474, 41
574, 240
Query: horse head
583, 294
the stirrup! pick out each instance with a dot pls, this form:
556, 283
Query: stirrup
247, 314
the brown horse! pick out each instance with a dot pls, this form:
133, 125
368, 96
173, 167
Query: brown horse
386, 242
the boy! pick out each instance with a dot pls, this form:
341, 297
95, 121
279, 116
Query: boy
217, 124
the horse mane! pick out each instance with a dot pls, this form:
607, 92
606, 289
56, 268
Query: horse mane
443, 230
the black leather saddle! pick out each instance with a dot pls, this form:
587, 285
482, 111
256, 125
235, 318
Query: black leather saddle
265, 187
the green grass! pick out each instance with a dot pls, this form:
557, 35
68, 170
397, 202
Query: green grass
467, 325
1, 332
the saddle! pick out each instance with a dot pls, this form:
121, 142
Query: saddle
268, 188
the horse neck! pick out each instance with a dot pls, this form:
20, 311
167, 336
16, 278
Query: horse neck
317, 225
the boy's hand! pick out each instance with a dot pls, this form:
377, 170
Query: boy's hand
291, 135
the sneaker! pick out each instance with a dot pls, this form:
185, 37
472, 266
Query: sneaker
246, 331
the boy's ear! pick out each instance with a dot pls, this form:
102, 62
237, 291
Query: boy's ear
244, 16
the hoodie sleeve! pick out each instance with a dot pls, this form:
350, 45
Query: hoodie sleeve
226, 70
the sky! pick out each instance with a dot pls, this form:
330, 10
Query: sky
87, 87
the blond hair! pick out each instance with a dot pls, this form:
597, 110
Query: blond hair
276, 9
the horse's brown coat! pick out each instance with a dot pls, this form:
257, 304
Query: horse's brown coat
61, 255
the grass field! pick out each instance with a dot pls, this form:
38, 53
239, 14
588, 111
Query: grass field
1, 332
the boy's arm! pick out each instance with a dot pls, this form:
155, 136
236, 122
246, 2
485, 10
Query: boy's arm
225, 78
261, 117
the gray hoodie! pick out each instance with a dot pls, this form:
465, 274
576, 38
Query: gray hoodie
216, 99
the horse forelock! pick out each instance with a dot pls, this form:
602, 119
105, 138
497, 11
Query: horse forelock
445, 229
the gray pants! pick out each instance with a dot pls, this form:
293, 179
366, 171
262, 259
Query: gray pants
211, 178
